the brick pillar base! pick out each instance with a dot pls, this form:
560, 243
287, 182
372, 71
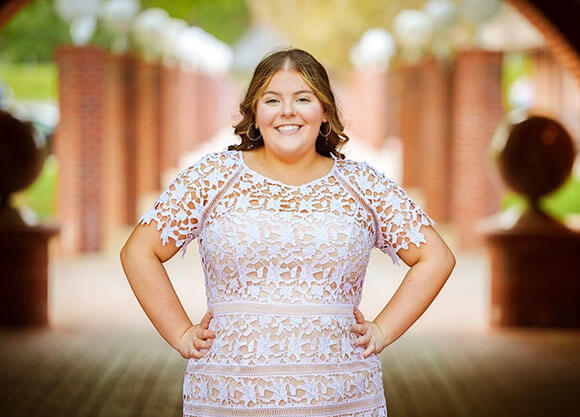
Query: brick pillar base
78, 147
477, 111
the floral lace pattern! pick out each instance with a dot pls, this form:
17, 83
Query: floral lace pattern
284, 268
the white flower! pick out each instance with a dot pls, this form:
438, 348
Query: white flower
279, 392
223, 394
311, 388
248, 392
305, 205
338, 388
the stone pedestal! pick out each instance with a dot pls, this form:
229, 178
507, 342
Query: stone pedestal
535, 277
24, 274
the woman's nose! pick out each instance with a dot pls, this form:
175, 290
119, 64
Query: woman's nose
287, 109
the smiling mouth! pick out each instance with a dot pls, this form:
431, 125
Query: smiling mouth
288, 129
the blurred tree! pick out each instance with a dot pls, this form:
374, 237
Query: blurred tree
328, 28
225, 19
33, 33
37, 29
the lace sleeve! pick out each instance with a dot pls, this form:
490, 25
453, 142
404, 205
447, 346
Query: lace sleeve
399, 217
178, 210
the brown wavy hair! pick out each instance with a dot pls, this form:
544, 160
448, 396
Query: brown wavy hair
315, 76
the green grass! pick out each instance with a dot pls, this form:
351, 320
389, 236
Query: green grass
559, 204
29, 82
40, 197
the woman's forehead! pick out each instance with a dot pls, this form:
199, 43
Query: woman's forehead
287, 81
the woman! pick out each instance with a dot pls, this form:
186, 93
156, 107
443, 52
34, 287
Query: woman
285, 225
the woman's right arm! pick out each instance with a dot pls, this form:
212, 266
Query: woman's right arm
142, 258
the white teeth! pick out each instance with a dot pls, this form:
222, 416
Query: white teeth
288, 128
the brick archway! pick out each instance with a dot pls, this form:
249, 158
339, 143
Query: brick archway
8, 8
561, 38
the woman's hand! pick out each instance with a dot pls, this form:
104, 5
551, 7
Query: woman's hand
371, 336
195, 338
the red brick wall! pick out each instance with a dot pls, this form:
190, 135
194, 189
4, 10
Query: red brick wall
556, 92
410, 96
123, 123
168, 131
147, 117
477, 111
367, 106
186, 114
130, 90
114, 144
434, 117
79, 148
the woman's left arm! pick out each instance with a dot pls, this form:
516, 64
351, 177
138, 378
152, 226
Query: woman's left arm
431, 264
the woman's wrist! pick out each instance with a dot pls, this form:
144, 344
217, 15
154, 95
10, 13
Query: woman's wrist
176, 342
382, 333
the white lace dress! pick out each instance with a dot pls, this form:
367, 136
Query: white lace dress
284, 268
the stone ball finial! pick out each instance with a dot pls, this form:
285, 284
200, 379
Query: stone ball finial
21, 161
537, 157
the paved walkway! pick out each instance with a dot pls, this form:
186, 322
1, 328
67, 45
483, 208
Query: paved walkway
102, 357
117, 373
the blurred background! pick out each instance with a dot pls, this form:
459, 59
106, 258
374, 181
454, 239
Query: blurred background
119, 96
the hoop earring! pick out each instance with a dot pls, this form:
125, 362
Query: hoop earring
327, 133
248, 133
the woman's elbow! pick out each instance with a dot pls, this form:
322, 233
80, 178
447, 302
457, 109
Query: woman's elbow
450, 262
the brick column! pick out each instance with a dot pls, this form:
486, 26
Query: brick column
186, 112
433, 119
477, 111
168, 129
411, 85
147, 110
79, 146
547, 79
556, 91
115, 147
207, 95
368, 106
130, 99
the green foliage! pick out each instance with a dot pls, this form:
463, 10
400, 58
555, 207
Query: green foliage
515, 65
328, 28
40, 197
225, 19
564, 201
30, 81
33, 33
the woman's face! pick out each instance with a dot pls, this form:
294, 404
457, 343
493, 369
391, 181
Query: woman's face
289, 114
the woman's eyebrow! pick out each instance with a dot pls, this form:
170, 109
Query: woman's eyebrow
295, 93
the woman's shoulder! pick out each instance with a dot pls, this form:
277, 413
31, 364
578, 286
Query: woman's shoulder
214, 162
362, 173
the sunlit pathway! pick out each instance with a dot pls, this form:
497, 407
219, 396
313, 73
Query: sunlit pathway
109, 373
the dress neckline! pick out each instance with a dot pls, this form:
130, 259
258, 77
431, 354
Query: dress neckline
283, 184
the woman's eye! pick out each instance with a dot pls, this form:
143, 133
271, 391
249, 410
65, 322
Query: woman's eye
304, 100
271, 100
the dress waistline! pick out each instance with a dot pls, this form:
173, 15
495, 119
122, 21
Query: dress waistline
286, 309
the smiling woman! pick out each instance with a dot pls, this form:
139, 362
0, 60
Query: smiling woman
285, 225
286, 86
